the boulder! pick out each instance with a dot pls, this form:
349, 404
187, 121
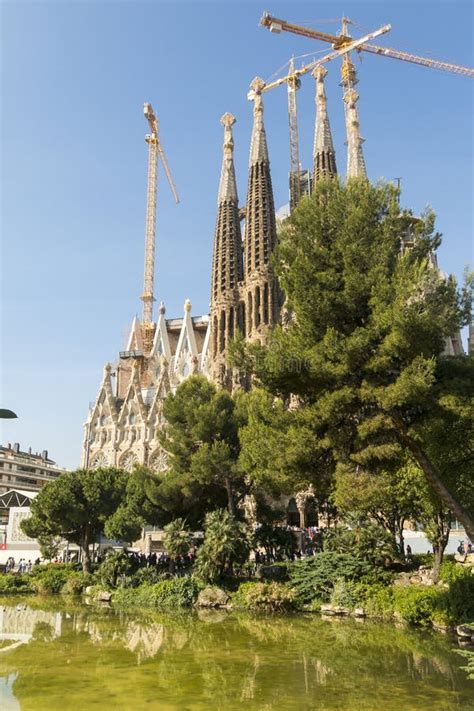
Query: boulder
327, 609
359, 612
212, 597
465, 559
88, 590
465, 631
103, 596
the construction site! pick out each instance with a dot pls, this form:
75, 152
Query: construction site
124, 422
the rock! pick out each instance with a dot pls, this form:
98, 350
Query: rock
440, 627
465, 559
212, 597
103, 596
359, 612
402, 579
465, 631
88, 590
416, 580
344, 611
327, 609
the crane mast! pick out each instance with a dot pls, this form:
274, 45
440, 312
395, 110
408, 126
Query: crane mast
293, 84
155, 150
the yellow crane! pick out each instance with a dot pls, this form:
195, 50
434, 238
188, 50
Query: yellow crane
356, 165
292, 79
276, 25
155, 152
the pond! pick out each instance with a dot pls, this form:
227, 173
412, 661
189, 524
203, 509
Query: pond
57, 654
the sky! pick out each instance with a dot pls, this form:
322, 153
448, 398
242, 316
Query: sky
74, 77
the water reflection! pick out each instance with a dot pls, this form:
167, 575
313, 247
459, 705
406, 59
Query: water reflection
67, 656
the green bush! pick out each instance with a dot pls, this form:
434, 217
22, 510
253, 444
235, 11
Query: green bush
315, 577
461, 596
50, 578
418, 605
265, 597
377, 600
345, 594
15, 584
469, 655
77, 583
115, 567
167, 594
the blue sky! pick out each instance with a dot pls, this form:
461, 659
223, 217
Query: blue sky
74, 76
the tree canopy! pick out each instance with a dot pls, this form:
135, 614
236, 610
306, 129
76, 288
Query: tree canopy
362, 348
80, 505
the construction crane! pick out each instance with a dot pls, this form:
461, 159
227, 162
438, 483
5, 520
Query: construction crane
276, 25
355, 160
155, 151
292, 79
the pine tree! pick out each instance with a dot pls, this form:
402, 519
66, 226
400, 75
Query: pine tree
368, 315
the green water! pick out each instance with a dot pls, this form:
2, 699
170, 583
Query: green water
63, 655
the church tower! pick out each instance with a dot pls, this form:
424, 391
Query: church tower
260, 290
324, 155
227, 314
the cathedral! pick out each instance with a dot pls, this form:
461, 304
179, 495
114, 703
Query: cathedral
123, 425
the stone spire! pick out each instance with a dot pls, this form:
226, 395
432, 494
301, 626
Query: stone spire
227, 262
355, 157
324, 155
260, 227
261, 295
227, 268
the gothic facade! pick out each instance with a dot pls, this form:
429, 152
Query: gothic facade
123, 424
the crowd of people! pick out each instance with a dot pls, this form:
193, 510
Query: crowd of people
23, 566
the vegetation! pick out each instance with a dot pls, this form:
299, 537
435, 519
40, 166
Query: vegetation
226, 544
265, 597
80, 505
166, 594
362, 350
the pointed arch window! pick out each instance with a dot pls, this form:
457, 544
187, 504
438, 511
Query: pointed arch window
258, 317
222, 332
250, 313
231, 322
265, 303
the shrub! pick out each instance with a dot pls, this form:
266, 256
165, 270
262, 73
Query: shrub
167, 594
226, 544
345, 594
116, 565
316, 576
50, 578
461, 596
469, 655
377, 600
77, 583
15, 584
266, 597
417, 605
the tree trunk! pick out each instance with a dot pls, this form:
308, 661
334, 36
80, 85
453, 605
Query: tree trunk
86, 558
401, 537
433, 476
440, 545
230, 497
